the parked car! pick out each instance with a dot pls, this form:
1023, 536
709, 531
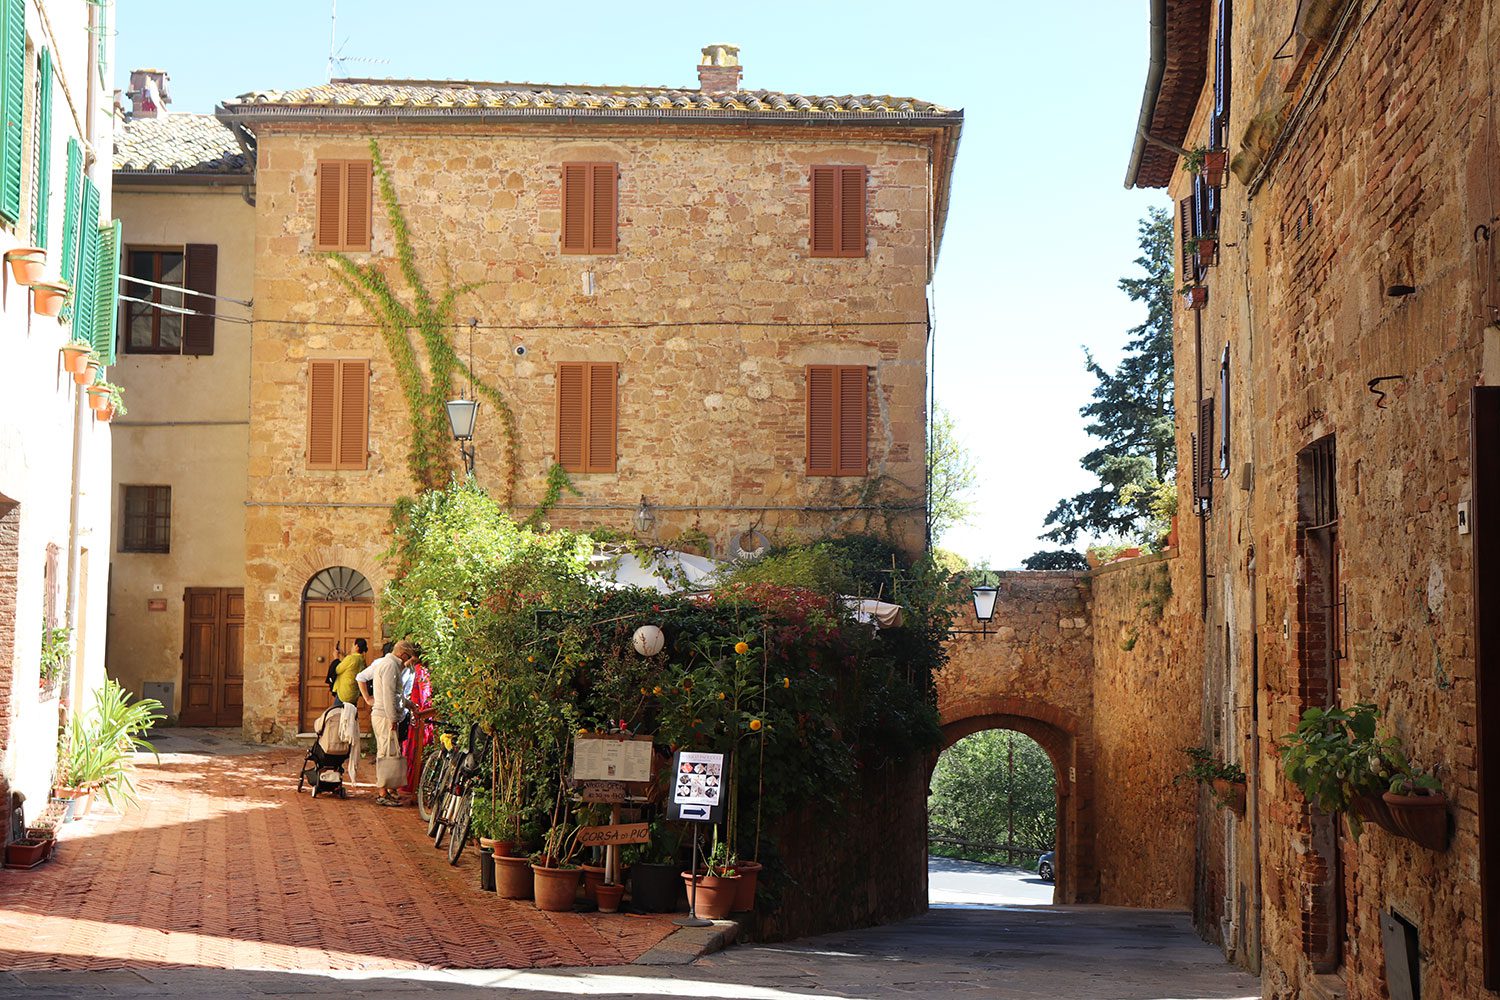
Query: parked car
1045, 867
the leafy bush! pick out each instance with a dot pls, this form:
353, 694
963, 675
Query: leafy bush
98, 748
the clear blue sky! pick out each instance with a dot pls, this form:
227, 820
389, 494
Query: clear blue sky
1040, 227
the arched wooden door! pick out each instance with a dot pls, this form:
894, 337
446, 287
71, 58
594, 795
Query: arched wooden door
338, 607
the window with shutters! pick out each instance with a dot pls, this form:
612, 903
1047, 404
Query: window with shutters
344, 194
338, 413
587, 415
12, 105
153, 330
838, 412
590, 208
1224, 413
838, 212
41, 157
1219, 124
147, 522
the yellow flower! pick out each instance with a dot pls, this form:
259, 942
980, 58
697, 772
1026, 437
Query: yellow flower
656, 689
742, 648
447, 739
721, 695
531, 659
754, 725
644, 691
583, 730
786, 682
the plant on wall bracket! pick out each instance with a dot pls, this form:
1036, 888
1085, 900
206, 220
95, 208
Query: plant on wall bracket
426, 386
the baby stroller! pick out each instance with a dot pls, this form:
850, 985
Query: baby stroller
327, 758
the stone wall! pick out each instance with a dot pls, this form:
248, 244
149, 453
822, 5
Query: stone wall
711, 307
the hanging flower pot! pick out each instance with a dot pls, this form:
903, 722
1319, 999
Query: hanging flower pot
26, 264
89, 373
98, 396
48, 297
76, 356
1422, 818
1215, 161
1230, 793
1208, 250
105, 415
1196, 296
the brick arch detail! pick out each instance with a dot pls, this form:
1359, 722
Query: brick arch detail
310, 563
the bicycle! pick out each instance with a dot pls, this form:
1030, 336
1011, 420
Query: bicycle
453, 809
432, 780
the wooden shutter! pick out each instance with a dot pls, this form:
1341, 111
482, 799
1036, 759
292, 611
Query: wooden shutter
330, 199
603, 380
70, 209
603, 209
41, 185
822, 389
1186, 233
575, 201
358, 179
851, 211
825, 211
106, 313
353, 434
571, 395
12, 105
322, 414
853, 419
80, 307
201, 274
1203, 459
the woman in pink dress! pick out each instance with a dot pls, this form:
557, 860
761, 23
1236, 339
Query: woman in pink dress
419, 734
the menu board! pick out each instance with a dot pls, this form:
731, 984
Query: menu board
611, 758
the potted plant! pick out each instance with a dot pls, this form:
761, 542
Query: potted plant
100, 745
555, 876
1225, 780
1195, 295
90, 372
29, 851
49, 297
717, 885
1205, 248
26, 264
76, 355
1215, 163
608, 896
106, 395
655, 871
1418, 808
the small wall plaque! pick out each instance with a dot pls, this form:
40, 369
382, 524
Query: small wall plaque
156, 604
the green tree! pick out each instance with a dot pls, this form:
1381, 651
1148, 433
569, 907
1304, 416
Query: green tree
993, 787
1131, 413
1056, 559
950, 475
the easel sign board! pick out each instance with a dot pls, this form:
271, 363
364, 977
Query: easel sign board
608, 836
611, 758
697, 787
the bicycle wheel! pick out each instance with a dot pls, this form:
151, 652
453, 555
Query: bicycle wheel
444, 782
428, 785
459, 835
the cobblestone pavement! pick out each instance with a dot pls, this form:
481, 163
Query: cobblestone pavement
226, 867
1022, 953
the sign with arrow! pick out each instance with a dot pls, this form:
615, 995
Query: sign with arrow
697, 787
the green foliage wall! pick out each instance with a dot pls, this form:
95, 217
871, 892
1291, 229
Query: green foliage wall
975, 798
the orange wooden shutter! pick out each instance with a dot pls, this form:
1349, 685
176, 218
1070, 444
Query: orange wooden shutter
825, 211
322, 393
853, 419
821, 390
851, 211
575, 199
330, 199
603, 207
602, 383
354, 414
357, 190
571, 377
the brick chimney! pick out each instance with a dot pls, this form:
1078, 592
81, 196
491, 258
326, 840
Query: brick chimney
719, 70
148, 93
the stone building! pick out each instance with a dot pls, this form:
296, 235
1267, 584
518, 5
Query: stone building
706, 307
182, 190
54, 452
1336, 429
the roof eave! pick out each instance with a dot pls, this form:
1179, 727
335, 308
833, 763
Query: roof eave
167, 177
1154, 73
1180, 33
249, 113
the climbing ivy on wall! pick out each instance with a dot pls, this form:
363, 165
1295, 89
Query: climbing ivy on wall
428, 367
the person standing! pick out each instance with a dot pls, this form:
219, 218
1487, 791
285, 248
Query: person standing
380, 688
341, 675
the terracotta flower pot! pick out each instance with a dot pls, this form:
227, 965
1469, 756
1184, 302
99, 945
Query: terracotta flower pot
715, 894
593, 877
86, 377
1196, 296
48, 297
98, 398
28, 853
1215, 161
75, 359
1208, 250
609, 897
26, 264
1372, 809
105, 415
1230, 793
555, 889
82, 799
1422, 818
513, 877
744, 890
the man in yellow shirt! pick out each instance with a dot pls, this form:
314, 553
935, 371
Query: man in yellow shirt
341, 679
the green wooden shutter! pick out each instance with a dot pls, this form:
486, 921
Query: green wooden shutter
70, 209
41, 187
12, 103
87, 275
106, 290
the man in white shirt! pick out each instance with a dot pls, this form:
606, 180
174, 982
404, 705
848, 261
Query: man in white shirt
380, 688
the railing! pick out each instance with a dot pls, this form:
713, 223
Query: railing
1009, 850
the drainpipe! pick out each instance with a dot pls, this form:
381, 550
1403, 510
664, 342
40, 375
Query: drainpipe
1202, 514
1155, 71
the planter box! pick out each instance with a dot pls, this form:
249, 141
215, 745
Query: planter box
28, 853
1231, 794
1215, 162
1420, 818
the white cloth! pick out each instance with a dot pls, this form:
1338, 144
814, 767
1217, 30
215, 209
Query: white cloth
341, 734
384, 678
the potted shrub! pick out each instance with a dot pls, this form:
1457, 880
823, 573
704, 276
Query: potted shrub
1416, 803
1205, 248
1215, 163
99, 745
655, 871
555, 876
1226, 781
717, 886
49, 297
28, 852
103, 395
26, 264
76, 355
1195, 295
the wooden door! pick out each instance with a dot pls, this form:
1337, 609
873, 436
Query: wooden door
213, 656
326, 625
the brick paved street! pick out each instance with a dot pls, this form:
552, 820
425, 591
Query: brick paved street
226, 867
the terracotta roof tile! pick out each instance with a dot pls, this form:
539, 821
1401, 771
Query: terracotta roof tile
178, 144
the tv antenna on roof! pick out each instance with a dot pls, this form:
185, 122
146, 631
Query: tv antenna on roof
336, 58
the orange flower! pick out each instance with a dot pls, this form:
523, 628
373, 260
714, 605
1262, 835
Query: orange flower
721, 695
742, 648
786, 682
531, 659
656, 689
754, 725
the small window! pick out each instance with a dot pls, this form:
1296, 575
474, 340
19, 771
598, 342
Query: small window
149, 330
587, 415
338, 414
1224, 413
590, 208
148, 519
343, 205
838, 408
838, 212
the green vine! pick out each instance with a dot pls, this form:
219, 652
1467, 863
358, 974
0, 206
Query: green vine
557, 483
429, 457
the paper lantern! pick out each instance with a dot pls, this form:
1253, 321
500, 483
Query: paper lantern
648, 640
